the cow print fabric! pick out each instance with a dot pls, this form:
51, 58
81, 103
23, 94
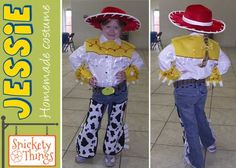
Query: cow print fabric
87, 140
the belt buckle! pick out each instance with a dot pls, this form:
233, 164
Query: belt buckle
107, 91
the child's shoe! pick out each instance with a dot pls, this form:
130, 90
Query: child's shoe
109, 160
211, 148
79, 159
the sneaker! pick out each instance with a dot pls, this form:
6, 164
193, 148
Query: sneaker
79, 159
211, 148
109, 160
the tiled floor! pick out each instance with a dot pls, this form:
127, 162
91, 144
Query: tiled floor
75, 106
166, 142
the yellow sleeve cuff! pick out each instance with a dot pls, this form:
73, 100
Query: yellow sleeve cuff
170, 75
83, 74
131, 73
215, 77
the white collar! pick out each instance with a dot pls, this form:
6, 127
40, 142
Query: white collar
196, 33
103, 39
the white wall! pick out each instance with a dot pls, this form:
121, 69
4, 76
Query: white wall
137, 8
222, 10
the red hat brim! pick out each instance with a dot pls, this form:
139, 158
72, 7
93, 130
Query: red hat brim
131, 23
176, 17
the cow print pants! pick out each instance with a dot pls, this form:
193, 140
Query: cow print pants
86, 143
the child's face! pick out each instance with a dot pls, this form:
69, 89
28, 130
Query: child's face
112, 30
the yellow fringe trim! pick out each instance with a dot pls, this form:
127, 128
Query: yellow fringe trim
172, 74
83, 74
215, 77
110, 48
131, 73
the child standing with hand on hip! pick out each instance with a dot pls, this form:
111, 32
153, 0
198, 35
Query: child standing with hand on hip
106, 63
192, 62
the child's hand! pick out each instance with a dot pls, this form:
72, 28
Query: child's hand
120, 76
93, 82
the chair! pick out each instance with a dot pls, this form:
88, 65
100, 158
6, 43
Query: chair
65, 39
156, 40
67, 42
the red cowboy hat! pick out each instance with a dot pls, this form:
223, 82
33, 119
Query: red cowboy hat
197, 18
131, 23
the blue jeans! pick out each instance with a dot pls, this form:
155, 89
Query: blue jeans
118, 97
190, 101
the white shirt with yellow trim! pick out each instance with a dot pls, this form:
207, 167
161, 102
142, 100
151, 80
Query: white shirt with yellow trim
189, 67
104, 67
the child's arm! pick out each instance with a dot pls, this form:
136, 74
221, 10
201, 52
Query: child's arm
223, 63
166, 62
137, 61
132, 72
219, 69
166, 57
78, 60
78, 57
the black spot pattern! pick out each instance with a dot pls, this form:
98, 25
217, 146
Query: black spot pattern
84, 142
113, 141
114, 125
112, 153
92, 117
115, 131
118, 117
119, 134
122, 140
112, 133
92, 126
106, 139
90, 135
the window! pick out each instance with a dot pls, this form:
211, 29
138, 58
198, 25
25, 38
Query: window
68, 25
156, 21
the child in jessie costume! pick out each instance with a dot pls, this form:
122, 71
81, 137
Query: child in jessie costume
192, 62
106, 63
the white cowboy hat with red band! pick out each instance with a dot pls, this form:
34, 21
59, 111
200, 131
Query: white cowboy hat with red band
131, 23
197, 18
